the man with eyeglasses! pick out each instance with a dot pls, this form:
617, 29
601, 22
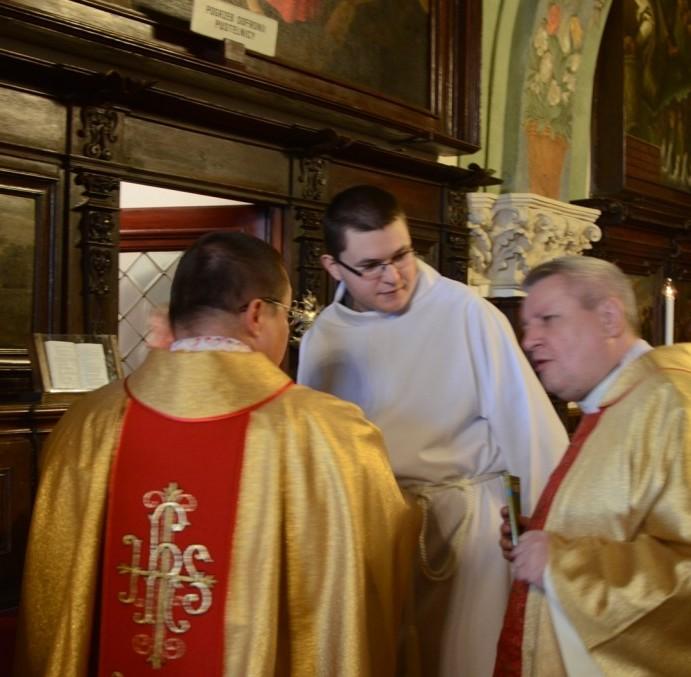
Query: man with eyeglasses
439, 370
209, 517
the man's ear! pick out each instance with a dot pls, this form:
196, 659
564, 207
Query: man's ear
253, 317
331, 267
612, 317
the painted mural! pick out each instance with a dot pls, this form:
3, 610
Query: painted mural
657, 82
555, 56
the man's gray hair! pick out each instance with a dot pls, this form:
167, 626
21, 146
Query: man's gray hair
594, 279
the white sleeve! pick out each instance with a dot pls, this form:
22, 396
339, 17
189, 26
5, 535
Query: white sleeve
305, 361
522, 420
577, 659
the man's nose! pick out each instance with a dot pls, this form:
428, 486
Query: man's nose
531, 338
389, 273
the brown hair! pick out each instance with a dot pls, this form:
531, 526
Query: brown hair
594, 280
362, 208
224, 271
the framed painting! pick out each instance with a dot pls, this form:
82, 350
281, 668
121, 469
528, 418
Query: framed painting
383, 46
409, 68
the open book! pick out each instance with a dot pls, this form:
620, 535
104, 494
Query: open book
76, 366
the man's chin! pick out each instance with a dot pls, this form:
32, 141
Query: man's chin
390, 304
396, 305
561, 393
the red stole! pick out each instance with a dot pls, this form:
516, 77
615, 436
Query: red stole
509, 647
169, 534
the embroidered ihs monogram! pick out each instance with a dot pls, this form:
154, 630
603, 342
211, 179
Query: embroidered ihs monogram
172, 586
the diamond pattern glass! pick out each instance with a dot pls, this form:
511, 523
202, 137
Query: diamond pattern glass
145, 279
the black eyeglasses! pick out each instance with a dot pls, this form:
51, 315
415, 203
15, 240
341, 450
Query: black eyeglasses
292, 314
373, 270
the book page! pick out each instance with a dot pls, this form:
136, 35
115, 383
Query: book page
62, 364
92, 365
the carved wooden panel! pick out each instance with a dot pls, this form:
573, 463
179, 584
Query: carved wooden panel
27, 270
99, 130
32, 120
454, 245
254, 170
99, 242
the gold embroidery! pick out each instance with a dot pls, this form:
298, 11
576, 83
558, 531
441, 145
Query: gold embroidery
169, 569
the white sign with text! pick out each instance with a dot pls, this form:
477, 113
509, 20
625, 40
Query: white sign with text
224, 21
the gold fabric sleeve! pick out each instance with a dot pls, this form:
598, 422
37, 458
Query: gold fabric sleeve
62, 559
323, 545
620, 547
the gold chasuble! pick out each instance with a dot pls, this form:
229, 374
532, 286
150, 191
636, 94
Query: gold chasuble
620, 534
209, 517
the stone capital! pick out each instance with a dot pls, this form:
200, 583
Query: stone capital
514, 232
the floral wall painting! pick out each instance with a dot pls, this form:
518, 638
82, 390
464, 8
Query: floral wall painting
558, 61
554, 62
657, 83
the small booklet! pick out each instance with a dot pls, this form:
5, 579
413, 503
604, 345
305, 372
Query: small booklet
76, 366
512, 491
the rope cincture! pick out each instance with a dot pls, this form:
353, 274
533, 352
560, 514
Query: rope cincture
423, 493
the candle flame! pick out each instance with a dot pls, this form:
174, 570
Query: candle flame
668, 289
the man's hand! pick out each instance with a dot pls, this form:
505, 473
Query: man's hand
530, 557
505, 533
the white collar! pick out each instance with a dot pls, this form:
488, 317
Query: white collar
591, 402
198, 344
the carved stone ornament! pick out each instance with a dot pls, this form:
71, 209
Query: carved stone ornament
99, 125
514, 232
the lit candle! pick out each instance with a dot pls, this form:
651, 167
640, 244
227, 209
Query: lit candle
669, 292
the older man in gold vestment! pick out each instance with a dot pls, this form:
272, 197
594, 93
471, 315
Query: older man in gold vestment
207, 516
603, 572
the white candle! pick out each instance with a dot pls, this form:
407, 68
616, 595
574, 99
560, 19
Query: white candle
669, 292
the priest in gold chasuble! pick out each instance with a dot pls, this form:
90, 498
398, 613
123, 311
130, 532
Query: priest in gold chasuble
603, 572
207, 516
